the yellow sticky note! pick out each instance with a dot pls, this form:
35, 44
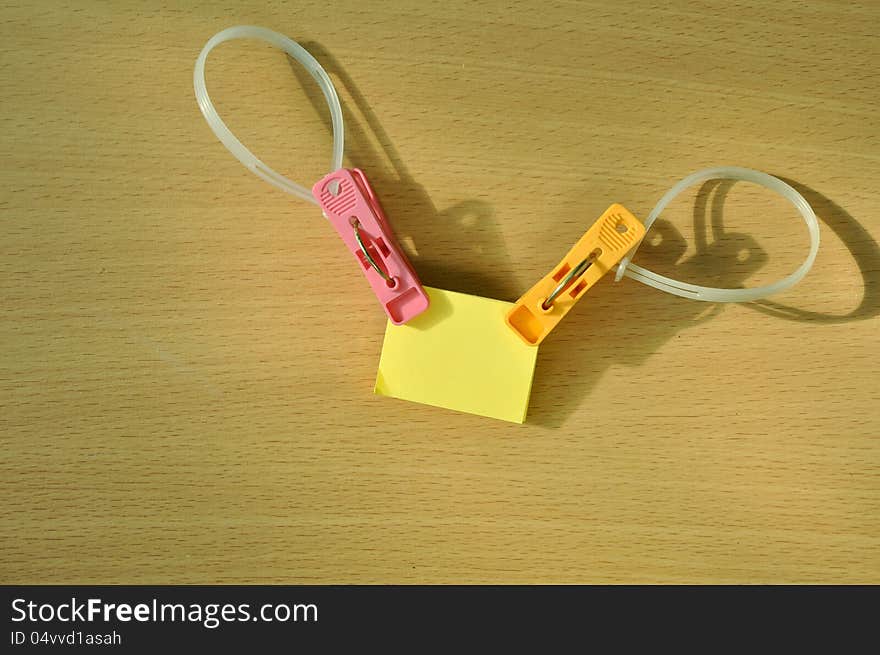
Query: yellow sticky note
460, 355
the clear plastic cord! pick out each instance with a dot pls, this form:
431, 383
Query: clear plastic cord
712, 294
226, 136
625, 268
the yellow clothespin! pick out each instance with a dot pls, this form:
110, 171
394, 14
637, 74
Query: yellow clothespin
540, 308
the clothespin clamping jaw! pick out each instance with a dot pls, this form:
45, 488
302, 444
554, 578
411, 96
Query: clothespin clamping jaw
541, 308
350, 204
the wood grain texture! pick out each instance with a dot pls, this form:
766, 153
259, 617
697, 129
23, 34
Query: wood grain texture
188, 354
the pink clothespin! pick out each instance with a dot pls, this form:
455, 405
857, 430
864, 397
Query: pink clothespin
350, 204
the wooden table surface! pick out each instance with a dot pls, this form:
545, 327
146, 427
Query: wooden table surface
189, 354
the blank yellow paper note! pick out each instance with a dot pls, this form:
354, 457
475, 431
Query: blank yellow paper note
460, 355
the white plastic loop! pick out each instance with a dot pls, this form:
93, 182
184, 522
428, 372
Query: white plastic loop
229, 140
712, 294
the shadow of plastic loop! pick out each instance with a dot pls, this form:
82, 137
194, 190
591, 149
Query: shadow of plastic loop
861, 245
